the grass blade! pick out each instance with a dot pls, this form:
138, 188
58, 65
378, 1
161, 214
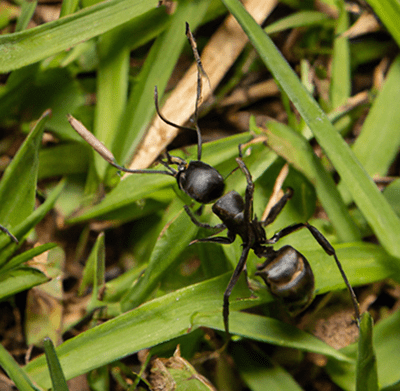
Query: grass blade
24, 48
56, 373
15, 372
366, 372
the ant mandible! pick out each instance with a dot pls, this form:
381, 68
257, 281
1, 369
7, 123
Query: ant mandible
285, 271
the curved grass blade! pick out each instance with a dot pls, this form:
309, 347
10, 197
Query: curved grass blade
19, 280
15, 372
18, 185
24, 48
388, 12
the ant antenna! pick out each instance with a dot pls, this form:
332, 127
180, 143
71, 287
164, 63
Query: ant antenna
105, 153
200, 72
6, 231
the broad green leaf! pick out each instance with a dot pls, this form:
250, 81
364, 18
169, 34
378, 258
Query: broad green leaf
56, 373
26, 47
380, 216
366, 372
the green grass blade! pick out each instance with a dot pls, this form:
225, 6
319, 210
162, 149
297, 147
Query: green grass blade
26, 256
260, 373
388, 12
373, 205
19, 280
268, 330
27, 11
377, 145
111, 91
15, 372
340, 87
93, 274
164, 256
57, 376
299, 19
24, 48
18, 185
366, 372
68, 7
23, 228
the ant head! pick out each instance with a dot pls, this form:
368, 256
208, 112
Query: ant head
201, 182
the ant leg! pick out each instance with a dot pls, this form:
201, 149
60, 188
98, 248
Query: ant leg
200, 72
276, 191
202, 225
248, 207
104, 152
6, 231
327, 247
232, 282
277, 208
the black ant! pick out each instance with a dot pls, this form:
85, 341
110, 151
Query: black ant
286, 272
6, 231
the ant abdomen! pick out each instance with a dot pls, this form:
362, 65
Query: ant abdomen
290, 278
201, 182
